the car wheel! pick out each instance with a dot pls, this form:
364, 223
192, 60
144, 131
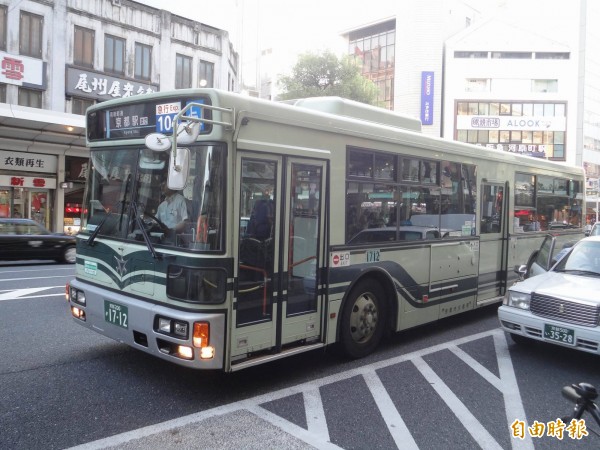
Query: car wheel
363, 319
519, 339
69, 255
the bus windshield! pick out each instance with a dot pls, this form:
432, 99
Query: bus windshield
126, 181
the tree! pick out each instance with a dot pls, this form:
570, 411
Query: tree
324, 74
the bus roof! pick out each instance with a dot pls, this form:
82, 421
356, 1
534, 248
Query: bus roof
350, 108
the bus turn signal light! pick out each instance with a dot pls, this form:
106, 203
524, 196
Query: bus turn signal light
201, 334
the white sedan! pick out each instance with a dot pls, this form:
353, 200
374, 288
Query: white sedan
561, 306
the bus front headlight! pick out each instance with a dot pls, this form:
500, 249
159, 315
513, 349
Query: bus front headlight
518, 299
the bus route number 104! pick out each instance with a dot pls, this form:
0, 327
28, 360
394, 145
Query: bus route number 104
166, 112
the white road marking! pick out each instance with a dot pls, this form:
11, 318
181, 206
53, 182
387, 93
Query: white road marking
315, 414
396, 426
33, 278
506, 384
512, 398
478, 367
70, 268
15, 294
467, 419
316, 440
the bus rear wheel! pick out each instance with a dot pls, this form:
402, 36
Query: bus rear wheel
363, 319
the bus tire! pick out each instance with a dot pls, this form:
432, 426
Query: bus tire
363, 319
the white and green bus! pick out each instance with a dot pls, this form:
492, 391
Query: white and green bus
287, 227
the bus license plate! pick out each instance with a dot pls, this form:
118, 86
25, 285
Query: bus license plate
116, 314
559, 334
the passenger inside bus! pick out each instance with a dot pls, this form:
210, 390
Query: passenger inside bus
261, 220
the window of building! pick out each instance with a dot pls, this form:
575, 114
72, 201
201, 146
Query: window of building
541, 143
2, 93
477, 85
544, 85
206, 74
3, 11
83, 54
143, 61
183, 72
478, 55
114, 54
511, 55
79, 105
30, 97
374, 49
552, 55
30, 34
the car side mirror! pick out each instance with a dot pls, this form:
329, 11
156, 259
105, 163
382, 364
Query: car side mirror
521, 271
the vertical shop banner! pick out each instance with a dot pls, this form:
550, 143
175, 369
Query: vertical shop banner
427, 98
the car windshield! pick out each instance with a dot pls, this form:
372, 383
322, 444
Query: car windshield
585, 257
124, 181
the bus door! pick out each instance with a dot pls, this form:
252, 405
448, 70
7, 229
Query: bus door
493, 231
280, 248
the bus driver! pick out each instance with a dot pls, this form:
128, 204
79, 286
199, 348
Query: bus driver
173, 210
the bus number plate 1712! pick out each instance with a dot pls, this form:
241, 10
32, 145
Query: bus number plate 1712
116, 314
373, 255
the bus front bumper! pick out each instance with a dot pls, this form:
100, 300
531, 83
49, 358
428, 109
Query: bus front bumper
186, 338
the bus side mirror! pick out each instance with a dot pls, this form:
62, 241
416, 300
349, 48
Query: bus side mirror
179, 168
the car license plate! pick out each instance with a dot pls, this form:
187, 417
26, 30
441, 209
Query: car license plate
559, 334
116, 314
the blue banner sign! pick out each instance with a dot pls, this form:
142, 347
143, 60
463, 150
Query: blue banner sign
427, 98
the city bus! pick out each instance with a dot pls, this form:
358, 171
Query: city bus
221, 231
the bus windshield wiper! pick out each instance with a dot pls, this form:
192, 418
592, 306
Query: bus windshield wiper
92, 238
140, 223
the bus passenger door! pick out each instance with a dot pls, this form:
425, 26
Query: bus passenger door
257, 200
280, 250
302, 252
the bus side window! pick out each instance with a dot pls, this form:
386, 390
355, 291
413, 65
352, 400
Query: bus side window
491, 208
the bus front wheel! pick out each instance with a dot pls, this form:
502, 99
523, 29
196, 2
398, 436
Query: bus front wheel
363, 319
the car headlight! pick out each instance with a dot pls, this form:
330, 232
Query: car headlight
517, 299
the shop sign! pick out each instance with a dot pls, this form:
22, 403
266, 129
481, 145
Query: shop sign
99, 86
76, 169
28, 182
22, 71
27, 162
524, 123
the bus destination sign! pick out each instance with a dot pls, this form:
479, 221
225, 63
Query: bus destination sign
139, 119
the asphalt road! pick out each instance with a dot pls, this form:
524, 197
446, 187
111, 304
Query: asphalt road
458, 383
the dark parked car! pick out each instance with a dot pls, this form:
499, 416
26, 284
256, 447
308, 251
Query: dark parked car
26, 239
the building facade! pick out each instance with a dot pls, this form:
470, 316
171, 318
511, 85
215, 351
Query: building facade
58, 57
516, 95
